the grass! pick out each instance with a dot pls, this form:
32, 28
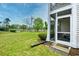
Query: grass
18, 44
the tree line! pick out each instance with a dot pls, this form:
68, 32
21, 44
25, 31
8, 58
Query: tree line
38, 25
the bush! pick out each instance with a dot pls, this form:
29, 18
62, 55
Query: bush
2, 29
42, 36
12, 30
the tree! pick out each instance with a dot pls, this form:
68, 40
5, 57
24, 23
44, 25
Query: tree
14, 26
46, 25
6, 23
0, 22
38, 24
24, 27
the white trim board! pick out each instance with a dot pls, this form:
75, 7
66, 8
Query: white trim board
64, 32
63, 42
61, 9
64, 16
48, 29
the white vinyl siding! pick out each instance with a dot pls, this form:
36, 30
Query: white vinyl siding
78, 25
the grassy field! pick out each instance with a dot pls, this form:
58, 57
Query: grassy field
18, 44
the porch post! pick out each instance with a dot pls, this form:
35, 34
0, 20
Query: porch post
56, 28
48, 22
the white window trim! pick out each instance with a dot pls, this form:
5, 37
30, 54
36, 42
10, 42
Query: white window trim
63, 42
56, 28
64, 32
64, 16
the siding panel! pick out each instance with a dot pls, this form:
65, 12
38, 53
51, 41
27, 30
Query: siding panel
77, 25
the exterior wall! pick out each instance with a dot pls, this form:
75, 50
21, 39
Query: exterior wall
77, 25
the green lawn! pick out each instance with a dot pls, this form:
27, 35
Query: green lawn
18, 44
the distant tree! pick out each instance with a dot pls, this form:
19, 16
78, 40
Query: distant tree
24, 27
0, 22
6, 23
38, 24
14, 26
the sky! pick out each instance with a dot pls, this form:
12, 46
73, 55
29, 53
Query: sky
20, 13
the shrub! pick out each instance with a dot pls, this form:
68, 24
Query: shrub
12, 30
42, 36
2, 29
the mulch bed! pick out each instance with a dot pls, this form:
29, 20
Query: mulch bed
74, 52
